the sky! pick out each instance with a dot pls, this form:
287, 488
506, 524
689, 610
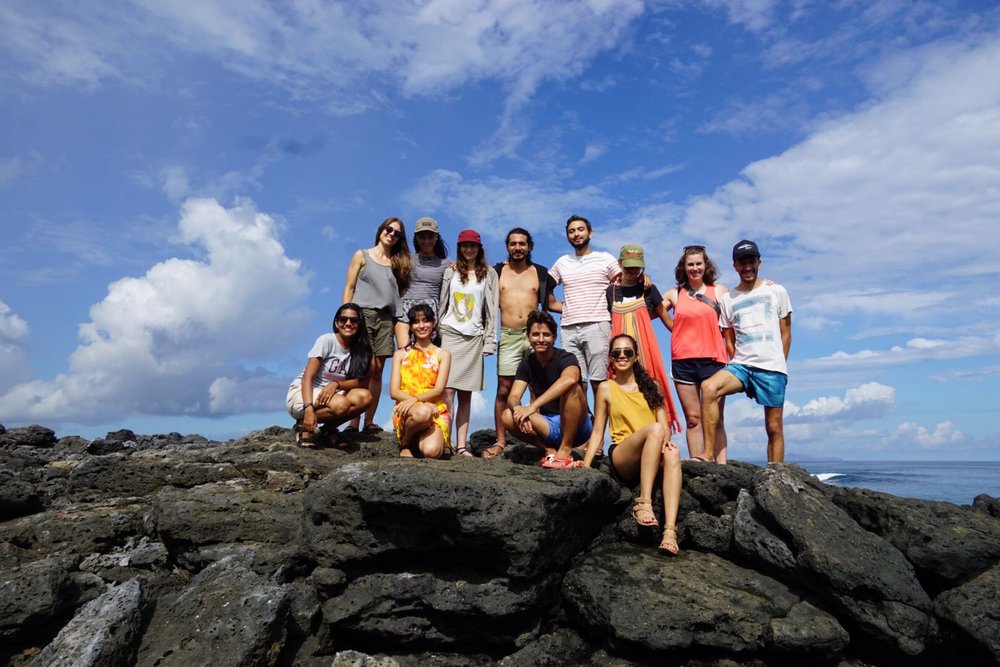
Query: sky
182, 185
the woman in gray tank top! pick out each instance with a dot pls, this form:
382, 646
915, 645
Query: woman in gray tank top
376, 277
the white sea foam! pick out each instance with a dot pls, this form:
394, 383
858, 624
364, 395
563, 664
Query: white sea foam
827, 476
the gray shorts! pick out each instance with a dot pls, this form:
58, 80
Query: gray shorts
589, 344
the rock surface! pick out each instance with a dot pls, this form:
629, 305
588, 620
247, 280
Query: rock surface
170, 549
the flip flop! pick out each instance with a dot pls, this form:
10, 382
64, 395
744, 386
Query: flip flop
552, 462
373, 428
350, 429
463, 451
494, 451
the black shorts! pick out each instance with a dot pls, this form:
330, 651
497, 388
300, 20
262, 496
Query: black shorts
694, 371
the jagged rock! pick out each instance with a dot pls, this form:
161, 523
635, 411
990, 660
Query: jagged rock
357, 659
442, 547
716, 487
34, 595
17, 497
752, 538
28, 436
500, 520
562, 647
226, 616
975, 608
868, 579
78, 529
947, 544
641, 601
987, 504
706, 532
104, 632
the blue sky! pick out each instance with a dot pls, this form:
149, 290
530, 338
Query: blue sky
182, 185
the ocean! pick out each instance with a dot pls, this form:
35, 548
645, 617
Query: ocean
953, 481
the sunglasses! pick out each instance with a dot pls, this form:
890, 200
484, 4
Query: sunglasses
626, 352
393, 232
345, 319
694, 247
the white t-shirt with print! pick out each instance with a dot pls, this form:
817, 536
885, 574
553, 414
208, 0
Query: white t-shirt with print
755, 317
335, 364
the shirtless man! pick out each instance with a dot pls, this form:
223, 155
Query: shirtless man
524, 287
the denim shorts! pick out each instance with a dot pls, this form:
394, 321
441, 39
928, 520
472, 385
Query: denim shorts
765, 387
555, 430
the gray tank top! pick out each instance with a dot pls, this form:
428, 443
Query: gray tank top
425, 279
377, 289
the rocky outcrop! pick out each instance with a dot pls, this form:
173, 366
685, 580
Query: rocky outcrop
171, 549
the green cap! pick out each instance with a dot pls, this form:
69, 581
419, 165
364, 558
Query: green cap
631, 255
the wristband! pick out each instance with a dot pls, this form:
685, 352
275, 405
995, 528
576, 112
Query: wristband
307, 405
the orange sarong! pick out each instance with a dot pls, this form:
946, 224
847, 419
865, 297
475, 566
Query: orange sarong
632, 318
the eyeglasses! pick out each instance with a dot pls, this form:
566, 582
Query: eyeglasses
345, 319
393, 232
626, 352
694, 247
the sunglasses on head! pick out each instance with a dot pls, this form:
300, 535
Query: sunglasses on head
626, 352
345, 319
694, 247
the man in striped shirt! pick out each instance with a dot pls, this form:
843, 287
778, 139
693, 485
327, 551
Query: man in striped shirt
586, 322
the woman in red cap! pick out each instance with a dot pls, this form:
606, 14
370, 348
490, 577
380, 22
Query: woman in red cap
468, 325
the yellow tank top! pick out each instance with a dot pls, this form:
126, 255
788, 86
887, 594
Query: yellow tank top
629, 412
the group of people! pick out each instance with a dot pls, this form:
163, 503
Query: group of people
437, 319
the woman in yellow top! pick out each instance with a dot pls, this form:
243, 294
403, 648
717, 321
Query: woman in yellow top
419, 377
632, 402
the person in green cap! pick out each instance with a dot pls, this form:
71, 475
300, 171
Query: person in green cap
634, 304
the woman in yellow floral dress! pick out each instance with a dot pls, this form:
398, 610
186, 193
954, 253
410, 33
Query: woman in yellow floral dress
419, 376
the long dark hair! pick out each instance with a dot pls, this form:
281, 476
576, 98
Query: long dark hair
440, 248
649, 387
399, 255
429, 315
360, 347
711, 271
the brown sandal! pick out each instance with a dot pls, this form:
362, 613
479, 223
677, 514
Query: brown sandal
642, 512
493, 451
668, 544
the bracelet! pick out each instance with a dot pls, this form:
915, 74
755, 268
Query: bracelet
307, 405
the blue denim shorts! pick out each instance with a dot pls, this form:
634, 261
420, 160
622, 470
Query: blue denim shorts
555, 430
765, 387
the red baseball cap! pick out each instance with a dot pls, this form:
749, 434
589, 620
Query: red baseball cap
469, 236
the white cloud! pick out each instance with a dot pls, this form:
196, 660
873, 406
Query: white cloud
868, 401
322, 49
915, 349
752, 14
494, 205
16, 167
175, 340
885, 210
943, 434
593, 151
13, 348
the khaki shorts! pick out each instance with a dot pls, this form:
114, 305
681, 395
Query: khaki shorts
379, 324
512, 349
293, 400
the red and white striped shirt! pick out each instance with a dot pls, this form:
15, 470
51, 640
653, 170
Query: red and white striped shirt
585, 279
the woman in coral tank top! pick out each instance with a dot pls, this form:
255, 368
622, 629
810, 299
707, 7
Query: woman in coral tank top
697, 349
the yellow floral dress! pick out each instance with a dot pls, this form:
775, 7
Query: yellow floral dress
418, 372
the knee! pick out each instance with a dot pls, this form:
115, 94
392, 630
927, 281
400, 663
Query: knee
361, 397
709, 392
657, 431
422, 413
508, 420
671, 458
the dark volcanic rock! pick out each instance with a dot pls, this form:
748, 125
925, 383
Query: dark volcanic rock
563, 647
866, 577
104, 632
716, 487
975, 608
227, 615
641, 601
17, 497
503, 520
987, 504
947, 544
33, 596
28, 436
